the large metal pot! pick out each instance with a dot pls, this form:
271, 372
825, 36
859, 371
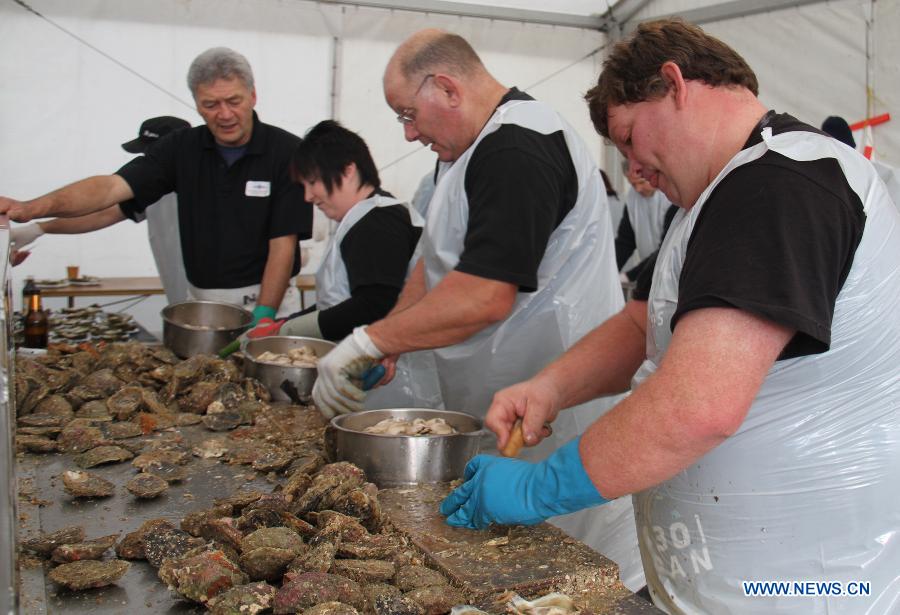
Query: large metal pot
202, 327
285, 382
389, 461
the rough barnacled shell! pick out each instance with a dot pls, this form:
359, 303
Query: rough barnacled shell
211, 448
120, 431
374, 546
89, 549
336, 527
331, 608
318, 559
132, 544
145, 460
194, 521
203, 576
436, 599
412, 577
257, 518
222, 530
166, 542
272, 459
36, 444
42, 420
277, 537
364, 570
222, 421
266, 563
79, 436
301, 591
374, 591
54, 405
95, 410
103, 380
187, 418
147, 486
101, 455
89, 573
397, 605
247, 599
125, 402
45, 543
86, 485
239, 499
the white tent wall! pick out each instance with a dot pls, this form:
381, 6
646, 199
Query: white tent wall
68, 107
811, 60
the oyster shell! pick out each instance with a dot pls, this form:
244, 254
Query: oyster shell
364, 570
373, 546
186, 418
318, 559
104, 381
436, 599
203, 576
147, 486
247, 599
95, 410
45, 543
124, 403
222, 421
337, 527
132, 544
194, 521
301, 591
86, 485
120, 431
397, 605
166, 542
412, 577
55, 405
266, 563
79, 436
36, 444
89, 573
89, 549
331, 608
102, 454
273, 537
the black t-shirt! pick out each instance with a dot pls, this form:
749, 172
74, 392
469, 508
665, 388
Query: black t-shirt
520, 184
226, 214
775, 238
376, 252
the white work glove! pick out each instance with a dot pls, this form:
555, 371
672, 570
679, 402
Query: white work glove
25, 234
303, 326
334, 391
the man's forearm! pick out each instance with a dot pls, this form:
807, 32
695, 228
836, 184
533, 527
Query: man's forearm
278, 271
460, 306
699, 396
84, 224
81, 198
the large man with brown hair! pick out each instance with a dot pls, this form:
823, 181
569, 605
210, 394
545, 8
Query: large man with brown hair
761, 440
517, 251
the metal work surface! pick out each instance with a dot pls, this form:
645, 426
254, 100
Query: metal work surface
45, 507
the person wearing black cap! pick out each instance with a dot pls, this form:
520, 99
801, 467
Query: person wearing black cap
838, 128
239, 213
162, 219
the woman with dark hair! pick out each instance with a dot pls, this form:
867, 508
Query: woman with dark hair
366, 260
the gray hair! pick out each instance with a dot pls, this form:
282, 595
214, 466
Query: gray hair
218, 63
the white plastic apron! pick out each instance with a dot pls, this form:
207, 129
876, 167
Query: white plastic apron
165, 242
808, 489
247, 295
415, 382
578, 288
647, 215
891, 178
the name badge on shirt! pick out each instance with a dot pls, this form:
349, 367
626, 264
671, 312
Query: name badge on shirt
257, 188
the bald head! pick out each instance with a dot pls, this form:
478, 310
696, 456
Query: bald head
433, 50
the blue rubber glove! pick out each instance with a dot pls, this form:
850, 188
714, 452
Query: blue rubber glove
510, 491
262, 311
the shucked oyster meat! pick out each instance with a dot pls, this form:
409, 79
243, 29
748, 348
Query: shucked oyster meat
416, 427
304, 356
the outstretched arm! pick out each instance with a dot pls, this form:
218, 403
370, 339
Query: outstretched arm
77, 199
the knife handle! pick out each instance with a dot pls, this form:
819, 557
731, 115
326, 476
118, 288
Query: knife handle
516, 441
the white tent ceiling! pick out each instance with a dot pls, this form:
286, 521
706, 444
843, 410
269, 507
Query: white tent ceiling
80, 76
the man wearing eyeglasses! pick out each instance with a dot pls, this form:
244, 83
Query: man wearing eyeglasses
517, 252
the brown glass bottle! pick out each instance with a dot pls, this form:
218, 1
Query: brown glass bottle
36, 324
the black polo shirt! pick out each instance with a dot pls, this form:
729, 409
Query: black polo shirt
226, 215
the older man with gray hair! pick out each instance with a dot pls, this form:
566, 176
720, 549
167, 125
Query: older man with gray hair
239, 213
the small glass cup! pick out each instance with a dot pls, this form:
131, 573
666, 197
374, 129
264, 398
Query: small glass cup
72, 272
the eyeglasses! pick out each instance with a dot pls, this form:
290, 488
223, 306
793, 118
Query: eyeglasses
407, 115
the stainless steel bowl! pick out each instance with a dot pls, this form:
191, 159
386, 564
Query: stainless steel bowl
198, 327
390, 461
285, 383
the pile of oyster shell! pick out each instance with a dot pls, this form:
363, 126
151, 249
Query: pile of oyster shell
317, 543
92, 323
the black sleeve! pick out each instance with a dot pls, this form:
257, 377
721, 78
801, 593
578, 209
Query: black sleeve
625, 240
776, 239
151, 176
519, 188
368, 304
376, 253
290, 213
